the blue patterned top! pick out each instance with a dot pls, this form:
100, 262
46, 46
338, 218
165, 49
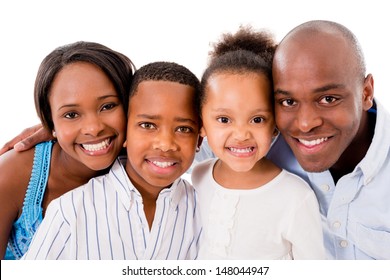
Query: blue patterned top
24, 228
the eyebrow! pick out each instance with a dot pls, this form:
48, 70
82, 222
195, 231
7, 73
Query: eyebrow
99, 98
158, 117
256, 111
317, 90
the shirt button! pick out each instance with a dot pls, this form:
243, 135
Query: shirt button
336, 224
344, 243
325, 188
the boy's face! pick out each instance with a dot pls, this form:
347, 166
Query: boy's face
162, 134
238, 119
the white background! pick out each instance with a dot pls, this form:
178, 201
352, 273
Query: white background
171, 30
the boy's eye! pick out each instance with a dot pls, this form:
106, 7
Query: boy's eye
184, 129
70, 115
223, 119
147, 125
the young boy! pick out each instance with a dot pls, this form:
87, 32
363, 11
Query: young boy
141, 209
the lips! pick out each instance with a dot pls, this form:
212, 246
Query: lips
241, 151
162, 164
97, 146
314, 142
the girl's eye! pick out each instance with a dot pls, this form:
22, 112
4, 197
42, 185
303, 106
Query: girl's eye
258, 120
70, 115
147, 125
223, 119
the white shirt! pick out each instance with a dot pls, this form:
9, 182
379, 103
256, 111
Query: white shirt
355, 211
279, 220
104, 219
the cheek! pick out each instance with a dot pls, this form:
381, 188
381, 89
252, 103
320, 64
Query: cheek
282, 119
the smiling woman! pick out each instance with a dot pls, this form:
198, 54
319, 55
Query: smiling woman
81, 94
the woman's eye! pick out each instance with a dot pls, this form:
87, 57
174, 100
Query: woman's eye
108, 106
70, 115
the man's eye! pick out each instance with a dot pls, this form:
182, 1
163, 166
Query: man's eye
288, 102
328, 100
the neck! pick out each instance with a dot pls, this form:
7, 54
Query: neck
263, 172
71, 169
357, 150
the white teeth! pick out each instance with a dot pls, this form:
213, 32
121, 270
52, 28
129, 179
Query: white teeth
162, 164
241, 151
96, 147
313, 142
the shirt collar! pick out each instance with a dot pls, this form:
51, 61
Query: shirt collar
379, 148
128, 193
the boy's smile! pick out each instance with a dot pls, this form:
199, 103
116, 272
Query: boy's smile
162, 134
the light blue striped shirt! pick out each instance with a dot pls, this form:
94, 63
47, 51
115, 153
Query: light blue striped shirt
355, 211
104, 219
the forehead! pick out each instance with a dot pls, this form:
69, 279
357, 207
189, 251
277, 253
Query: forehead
317, 59
81, 79
225, 86
163, 95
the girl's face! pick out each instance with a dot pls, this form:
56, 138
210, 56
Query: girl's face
238, 118
88, 116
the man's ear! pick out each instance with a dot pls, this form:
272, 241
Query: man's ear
368, 92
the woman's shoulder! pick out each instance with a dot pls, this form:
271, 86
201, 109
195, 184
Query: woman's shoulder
16, 168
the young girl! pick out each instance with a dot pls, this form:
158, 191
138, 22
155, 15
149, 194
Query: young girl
81, 92
250, 208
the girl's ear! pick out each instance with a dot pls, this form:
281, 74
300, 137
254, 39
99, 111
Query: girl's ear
202, 132
125, 144
200, 140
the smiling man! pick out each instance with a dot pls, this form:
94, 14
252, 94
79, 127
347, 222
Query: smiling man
337, 136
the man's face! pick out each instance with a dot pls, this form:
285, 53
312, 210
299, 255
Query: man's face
319, 100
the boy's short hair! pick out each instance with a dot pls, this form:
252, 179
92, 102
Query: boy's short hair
170, 72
